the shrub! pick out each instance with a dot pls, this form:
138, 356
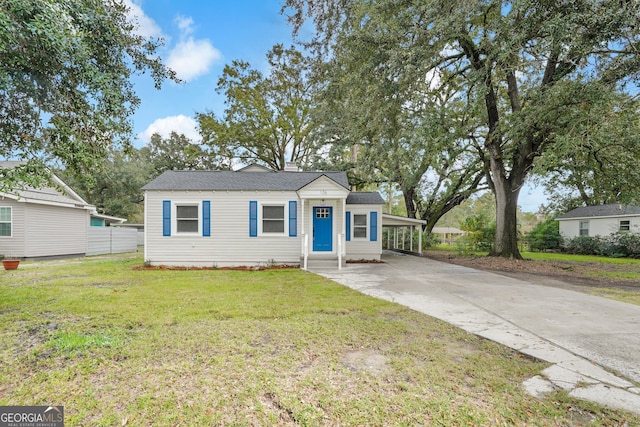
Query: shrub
481, 232
614, 245
431, 239
545, 236
624, 245
586, 245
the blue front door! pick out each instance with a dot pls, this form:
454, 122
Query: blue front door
322, 229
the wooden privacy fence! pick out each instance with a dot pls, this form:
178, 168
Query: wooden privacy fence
111, 240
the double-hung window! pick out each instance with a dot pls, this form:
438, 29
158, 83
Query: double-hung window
187, 219
5, 221
360, 226
625, 225
273, 219
584, 228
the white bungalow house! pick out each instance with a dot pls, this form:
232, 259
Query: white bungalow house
49, 222
599, 220
256, 216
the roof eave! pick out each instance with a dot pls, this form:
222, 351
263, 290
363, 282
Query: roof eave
596, 216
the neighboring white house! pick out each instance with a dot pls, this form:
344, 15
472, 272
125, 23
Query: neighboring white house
599, 220
45, 222
255, 216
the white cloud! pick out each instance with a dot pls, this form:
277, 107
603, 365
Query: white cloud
146, 26
180, 124
185, 24
192, 58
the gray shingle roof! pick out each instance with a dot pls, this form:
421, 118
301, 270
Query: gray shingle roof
240, 181
47, 195
614, 209
44, 194
365, 198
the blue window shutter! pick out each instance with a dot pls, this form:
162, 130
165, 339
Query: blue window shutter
166, 217
206, 218
253, 218
374, 226
293, 218
348, 226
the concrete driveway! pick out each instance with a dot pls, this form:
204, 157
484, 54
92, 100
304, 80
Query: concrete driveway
585, 337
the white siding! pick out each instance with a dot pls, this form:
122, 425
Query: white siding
229, 243
53, 230
15, 245
359, 248
597, 226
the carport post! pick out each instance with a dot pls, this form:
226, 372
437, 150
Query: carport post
420, 239
411, 240
395, 237
404, 229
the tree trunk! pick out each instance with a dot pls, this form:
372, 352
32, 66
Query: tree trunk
506, 240
410, 197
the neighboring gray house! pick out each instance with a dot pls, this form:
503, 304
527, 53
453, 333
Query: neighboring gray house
256, 216
599, 220
44, 222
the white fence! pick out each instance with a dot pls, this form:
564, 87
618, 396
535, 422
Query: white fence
111, 240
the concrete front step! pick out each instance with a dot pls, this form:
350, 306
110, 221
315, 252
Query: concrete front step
322, 262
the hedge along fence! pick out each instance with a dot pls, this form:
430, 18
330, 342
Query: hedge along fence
616, 245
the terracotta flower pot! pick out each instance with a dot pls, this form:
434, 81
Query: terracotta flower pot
10, 264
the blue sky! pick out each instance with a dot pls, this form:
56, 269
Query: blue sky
200, 38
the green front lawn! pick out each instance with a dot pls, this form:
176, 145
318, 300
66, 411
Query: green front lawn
552, 256
118, 346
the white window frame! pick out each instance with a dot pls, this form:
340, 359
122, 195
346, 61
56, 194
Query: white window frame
175, 219
627, 225
580, 228
285, 219
10, 222
354, 226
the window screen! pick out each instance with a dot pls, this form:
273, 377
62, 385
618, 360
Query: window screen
273, 219
5, 221
187, 218
360, 226
584, 228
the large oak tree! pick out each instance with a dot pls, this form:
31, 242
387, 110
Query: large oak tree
596, 161
420, 137
523, 61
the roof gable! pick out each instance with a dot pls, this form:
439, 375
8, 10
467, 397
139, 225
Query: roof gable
611, 210
254, 167
323, 187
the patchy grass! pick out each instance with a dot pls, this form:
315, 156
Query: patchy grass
630, 297
552, 256
122, 347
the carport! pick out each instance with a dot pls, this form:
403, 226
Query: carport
399, 225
